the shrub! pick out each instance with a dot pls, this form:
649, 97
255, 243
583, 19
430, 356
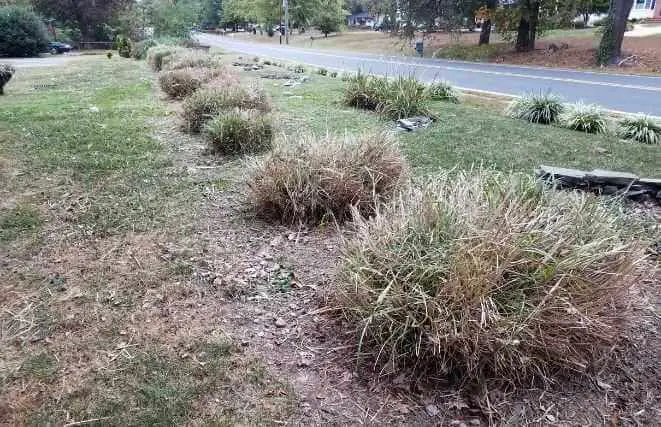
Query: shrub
641, 129
442, 91
204, 104
188, 58
179, 83
323, 178
240, 131
468, 53
267, 62
322, 71
6, 73
141, 48
109, 55
397, 98
481, 276
536, 108
333, 74
123, 46
584, 118
157, 55
22, 33
299, 69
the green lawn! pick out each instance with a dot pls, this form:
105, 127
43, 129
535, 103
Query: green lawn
464, 135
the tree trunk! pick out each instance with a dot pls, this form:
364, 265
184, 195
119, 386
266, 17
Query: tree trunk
610, 47
485, 32
523, 35
527, 31
586, 18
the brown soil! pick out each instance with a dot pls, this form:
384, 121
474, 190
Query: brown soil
581, 54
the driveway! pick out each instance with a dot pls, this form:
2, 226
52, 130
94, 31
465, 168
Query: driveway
43, 61
618, 92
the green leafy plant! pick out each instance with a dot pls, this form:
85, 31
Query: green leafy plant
204, 104
123, 46
109, 55
536, 108
333, 74
317, 179
640, 129
477, 275
443, 91
22, 32
179, 83
239, 132
322, 71
584, 118
6, 73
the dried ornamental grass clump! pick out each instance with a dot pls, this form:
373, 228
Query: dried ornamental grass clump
240, 132
584, 118
319, 179
396, 98
205, 104
640, 129
484, 276
6, 73
180, 83
536, 108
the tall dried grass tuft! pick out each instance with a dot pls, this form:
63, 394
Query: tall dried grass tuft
478, 276
324, 178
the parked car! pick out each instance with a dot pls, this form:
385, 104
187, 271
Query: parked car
56, 47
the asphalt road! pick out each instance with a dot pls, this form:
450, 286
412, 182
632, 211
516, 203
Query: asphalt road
624, 93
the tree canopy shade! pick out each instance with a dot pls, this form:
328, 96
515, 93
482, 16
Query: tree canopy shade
22, 33
86, 15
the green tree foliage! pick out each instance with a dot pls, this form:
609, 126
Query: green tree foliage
587, 7
89, 16
175, 18
330, 16
22, 33
212, 13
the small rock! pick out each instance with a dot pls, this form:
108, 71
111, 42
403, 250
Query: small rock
280, 322
306, 358
432, 410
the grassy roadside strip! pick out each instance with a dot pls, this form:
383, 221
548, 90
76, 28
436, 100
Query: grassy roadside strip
475, 132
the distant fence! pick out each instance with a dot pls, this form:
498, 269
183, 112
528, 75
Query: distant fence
95, 45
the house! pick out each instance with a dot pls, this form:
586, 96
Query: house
646, 9
360, 19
